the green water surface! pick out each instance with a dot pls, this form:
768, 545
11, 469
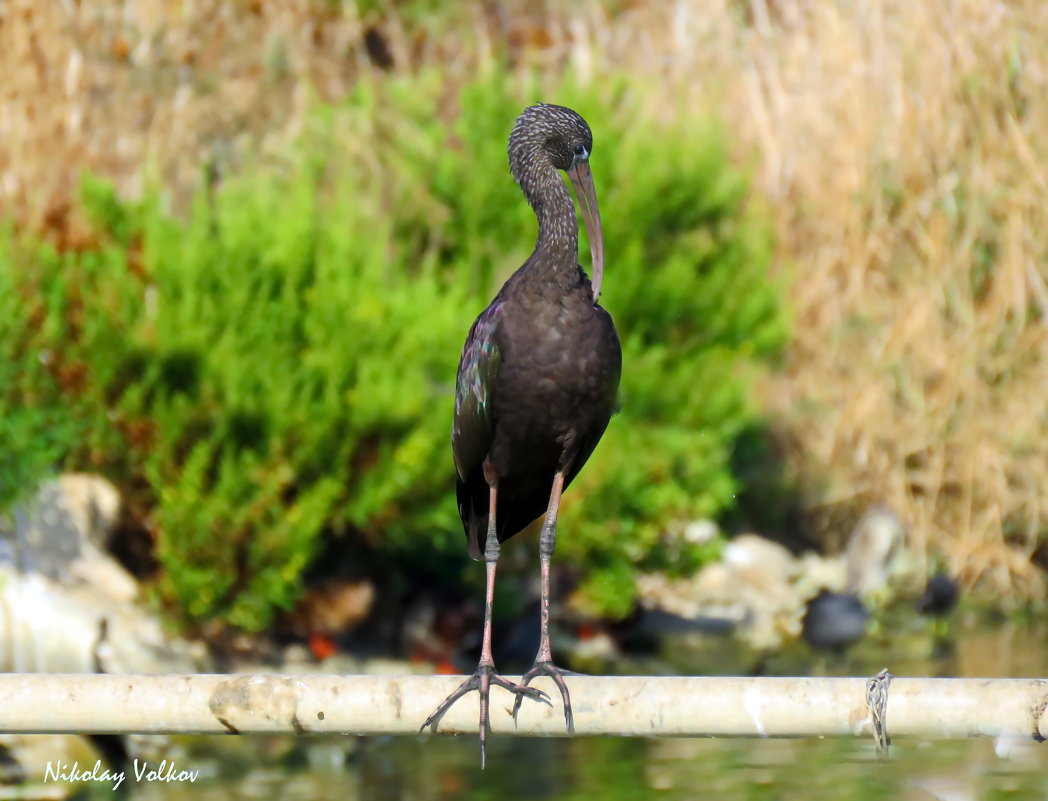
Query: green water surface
443, 768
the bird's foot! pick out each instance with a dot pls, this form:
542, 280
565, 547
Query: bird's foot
547, 668
481, 681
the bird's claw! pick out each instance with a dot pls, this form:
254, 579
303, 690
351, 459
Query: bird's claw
481, 681
522, 690
546, 668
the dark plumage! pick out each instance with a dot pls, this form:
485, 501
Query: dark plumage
538, 376
940, 596
833, 621
540, 368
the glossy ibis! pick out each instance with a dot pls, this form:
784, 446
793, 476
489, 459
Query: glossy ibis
537, 383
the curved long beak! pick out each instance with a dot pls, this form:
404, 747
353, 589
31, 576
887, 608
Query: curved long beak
582, 180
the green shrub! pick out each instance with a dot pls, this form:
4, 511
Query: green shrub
280, 361
34, 429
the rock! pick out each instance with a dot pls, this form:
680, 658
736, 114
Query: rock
763, 591
751, 591
331, 609
62, 532
818, 572
92, 503
597, 648
648, 627
326, 613
48, 628
43, 628
29, 755
700, 532
750, 550
65, 604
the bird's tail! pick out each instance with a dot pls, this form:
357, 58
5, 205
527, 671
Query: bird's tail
473, 509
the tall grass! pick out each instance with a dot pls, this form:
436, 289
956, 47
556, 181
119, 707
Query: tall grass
899, 146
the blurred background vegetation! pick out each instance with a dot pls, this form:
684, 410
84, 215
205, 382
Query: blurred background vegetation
243, 242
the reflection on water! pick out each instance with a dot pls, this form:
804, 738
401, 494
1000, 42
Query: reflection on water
446, 769
614, 769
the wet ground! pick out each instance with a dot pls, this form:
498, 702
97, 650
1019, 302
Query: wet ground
613, 769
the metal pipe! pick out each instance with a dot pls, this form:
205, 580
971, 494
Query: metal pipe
630, 706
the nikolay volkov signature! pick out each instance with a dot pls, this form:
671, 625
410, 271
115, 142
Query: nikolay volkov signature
143, 772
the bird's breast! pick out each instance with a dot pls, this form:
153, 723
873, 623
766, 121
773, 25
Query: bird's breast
561, 351
559, 376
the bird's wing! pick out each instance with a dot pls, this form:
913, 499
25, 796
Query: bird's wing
473, 426
588, 440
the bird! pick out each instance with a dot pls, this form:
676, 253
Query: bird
537, 385
940, 596
939, 599
833, 621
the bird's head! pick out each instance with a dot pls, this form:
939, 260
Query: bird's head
555, 136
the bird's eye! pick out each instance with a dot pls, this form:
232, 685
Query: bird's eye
580, 150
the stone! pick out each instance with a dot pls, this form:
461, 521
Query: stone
700, 532
61, 533
66, 605
762, 554
752, 590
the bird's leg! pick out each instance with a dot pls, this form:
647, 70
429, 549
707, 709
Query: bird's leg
544, 659
485, 674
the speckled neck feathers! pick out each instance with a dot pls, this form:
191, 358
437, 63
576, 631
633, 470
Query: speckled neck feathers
532, 165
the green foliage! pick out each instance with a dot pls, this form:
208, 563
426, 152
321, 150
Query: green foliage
687, 282
34, 430
281, 361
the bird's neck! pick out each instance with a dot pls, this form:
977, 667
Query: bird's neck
557, 246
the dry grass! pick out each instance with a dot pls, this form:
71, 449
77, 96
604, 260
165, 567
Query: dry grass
899, 145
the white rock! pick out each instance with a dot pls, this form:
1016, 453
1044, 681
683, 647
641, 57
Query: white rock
753, 550
701, 532
92, 502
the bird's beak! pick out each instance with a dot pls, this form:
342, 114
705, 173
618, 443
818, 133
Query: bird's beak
582, 180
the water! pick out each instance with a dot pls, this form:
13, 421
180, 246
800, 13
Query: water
617, 769
611, 769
